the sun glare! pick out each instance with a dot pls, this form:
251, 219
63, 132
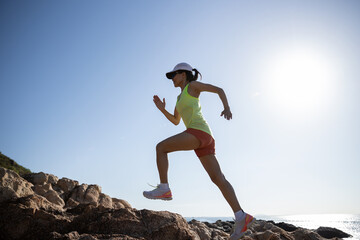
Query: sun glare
299, 81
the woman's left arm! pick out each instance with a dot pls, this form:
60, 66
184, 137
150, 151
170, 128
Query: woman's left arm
199, 87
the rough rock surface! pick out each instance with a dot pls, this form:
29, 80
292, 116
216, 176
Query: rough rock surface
328, 232
44, 207
12, 186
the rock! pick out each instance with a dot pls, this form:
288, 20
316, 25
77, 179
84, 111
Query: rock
36, 178
267, 235
79, 192
286, 226
68, 236
224, 226
164, 225
220, 225
37, 210
132, 223
13, 186
119, 203
105, 201
37, 202
328, 232
201, 229
92, 194
30, 217
47, 191
66, 184
52, 179
206, 233
54, 197
71, 203
86, 194
302, 233
262, 229
42, 189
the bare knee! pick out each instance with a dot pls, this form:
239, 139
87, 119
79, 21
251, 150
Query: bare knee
161, 147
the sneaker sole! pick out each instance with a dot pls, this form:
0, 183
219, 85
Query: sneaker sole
165, 199
155, 198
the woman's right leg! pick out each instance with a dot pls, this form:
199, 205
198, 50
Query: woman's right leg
179, 142
212, 167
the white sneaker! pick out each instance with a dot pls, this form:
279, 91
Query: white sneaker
158, 193
241, 226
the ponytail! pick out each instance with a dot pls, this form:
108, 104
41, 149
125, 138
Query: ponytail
196, 74
190, 77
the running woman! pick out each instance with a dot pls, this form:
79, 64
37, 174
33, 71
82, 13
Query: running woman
197, 137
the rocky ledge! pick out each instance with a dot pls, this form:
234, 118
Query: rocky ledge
42, 206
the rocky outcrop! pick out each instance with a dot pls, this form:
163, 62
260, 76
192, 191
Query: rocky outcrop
206, 233
12, 186
286, 226
41, 206
97, 222
328, 232
67, 193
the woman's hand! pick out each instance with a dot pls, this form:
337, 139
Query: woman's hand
203, 87
175, 119
226, 113
159, 104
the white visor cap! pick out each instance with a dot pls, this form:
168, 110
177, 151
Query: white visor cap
179, 67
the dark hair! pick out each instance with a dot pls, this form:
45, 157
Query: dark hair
190, 77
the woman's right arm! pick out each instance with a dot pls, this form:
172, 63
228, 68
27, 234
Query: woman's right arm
175, 119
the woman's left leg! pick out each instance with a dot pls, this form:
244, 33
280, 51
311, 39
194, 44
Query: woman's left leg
212, 167
181, 141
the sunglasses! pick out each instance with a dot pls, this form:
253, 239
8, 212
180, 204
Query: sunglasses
175, 73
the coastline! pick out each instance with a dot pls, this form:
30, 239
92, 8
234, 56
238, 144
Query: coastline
42, 206
349, 223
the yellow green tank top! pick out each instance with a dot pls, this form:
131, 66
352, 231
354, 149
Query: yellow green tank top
190, 111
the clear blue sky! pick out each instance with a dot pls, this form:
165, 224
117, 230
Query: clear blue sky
77, 80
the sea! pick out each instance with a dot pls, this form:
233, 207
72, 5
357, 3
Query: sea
349, 223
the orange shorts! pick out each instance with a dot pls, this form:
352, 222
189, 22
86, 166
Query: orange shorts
207, 142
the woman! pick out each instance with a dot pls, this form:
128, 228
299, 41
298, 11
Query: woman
198, 137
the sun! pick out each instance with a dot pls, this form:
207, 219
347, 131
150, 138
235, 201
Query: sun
299, 81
